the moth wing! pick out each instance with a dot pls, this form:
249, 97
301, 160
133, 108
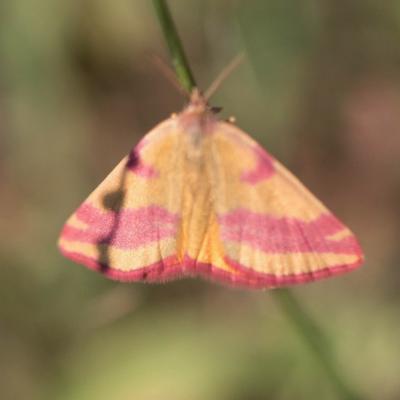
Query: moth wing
273, 231
128, 225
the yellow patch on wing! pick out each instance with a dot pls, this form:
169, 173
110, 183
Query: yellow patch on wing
281, 195
123, 259
286, 264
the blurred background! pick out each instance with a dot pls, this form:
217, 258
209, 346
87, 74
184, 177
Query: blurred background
320, 88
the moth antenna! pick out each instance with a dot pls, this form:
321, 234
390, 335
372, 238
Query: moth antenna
169, 74
223, 75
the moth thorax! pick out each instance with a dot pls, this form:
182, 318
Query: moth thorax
194, 141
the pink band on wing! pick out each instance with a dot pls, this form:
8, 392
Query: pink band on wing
269, 280
136, 165
284, 235
264, 168
172, 268
125, 229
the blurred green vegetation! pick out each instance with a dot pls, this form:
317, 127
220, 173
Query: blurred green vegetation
320, 89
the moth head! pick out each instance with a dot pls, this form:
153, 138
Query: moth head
198, 103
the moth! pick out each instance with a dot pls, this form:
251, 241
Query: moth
198, 197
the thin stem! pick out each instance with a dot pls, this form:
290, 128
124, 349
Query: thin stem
179, 60
316, 340
307, 328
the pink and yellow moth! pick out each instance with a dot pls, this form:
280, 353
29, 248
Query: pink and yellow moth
198, 196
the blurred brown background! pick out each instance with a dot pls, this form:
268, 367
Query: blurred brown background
320, 89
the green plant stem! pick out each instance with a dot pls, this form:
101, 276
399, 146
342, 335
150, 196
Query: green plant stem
306, 327
179, 60
316, 340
